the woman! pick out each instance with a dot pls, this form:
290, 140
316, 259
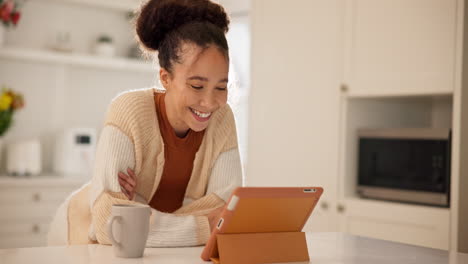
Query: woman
175, 150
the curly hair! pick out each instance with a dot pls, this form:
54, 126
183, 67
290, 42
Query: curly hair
164, 25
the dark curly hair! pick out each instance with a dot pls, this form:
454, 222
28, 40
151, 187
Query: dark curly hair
164, 25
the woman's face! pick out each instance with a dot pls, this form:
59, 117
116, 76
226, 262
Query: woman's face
196, 88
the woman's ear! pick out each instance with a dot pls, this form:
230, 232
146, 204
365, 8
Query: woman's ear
164, 77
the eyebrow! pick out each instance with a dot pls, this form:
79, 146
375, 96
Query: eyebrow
204, 79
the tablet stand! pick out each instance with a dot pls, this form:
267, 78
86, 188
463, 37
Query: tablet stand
261, 248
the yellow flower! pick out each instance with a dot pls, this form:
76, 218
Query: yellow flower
5, 101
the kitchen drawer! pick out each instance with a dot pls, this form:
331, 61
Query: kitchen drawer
405, 223
23, 241
23, 234
40, 211
23, 228
18, 203
33, 196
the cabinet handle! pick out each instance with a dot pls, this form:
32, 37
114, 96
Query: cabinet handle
324, 205
340, 208
36, 197
36, 229
344, 88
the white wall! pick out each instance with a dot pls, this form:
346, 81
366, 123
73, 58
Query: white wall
42, 21
239, 71
59, 97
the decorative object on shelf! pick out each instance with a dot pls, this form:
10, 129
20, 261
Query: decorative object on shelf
9, 16
104, 46
10, 102
24, 158
134, 52
74, 151
63, 42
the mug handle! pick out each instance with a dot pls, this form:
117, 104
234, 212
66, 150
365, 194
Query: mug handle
109, 228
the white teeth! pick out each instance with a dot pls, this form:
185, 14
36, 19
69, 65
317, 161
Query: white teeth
200, 114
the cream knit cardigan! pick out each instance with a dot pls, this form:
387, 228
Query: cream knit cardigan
131, 139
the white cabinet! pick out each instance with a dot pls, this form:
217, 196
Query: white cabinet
413, 224
400, 47
27, 207
294, 99
401, 69
398, 64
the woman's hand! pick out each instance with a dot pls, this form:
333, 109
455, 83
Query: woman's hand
213, 217
128, 183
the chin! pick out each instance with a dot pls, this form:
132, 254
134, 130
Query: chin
198, 128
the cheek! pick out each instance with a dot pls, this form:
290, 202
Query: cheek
191, 98
222, 99
182, 95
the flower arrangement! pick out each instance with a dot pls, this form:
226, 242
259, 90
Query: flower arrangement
9, 12
9, 103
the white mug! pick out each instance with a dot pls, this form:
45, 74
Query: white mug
128, 229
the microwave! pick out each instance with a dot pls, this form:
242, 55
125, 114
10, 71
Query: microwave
409, 165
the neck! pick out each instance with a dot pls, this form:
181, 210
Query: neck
176, 123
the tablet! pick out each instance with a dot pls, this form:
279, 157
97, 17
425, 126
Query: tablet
263, 210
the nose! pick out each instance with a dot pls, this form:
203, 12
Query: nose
208, 101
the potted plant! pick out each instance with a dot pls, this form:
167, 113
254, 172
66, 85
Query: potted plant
104, 46
10, 102
9, 16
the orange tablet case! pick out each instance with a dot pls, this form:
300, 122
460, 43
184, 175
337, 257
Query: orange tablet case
263, 225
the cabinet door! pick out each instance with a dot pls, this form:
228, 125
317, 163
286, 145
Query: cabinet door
400, 47
294, 98
28, 207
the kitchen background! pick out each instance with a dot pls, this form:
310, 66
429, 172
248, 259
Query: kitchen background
307, 74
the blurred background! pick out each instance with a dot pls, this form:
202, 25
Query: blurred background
361, 97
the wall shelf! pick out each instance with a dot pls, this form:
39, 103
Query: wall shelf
76, 59
121, 5
396, 93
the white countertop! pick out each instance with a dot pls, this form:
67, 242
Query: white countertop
329, 248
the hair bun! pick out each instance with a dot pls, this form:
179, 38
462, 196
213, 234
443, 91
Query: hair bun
159, 17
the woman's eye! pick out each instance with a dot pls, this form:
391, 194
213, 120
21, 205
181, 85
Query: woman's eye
221, 88
196, 87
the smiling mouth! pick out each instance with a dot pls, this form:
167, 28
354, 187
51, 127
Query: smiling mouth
202, 116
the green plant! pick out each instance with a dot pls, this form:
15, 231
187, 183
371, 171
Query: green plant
104, 39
